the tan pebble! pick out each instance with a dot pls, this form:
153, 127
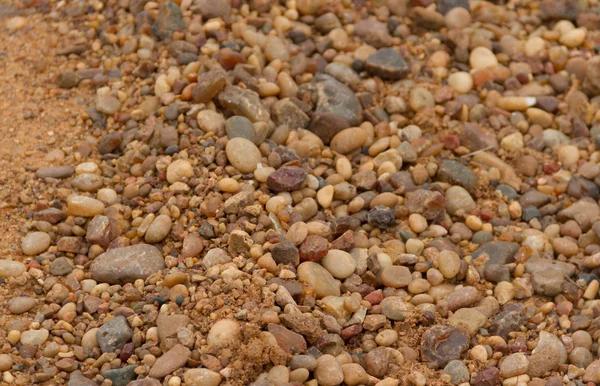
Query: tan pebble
354, 374
417, 223
178, 170
482, 57
461, 82
449, 264
325, 196
348, 140
479, 353
229, 185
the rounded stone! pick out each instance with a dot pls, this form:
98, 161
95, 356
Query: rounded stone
319, 278
328, 371
461, 82
84, 206
243, 154
159, 229
178, 170
396, 276
35, 243
223, 333
339, 263
348, 140
482, 57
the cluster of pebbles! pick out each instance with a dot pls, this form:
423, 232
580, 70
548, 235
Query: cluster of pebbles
314, 192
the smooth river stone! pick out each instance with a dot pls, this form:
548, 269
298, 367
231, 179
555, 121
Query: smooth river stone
84, 206
34, 337
9, 268
35, 243
317, 276
127, 264
243, 154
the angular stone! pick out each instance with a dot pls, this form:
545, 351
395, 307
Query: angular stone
334, 97
287, 179
286, 112
289, 341
442, 344
169, 20
209, 85
114, 334
244, 102
456, 173
387, 64
499, 252
469, 318
428, 203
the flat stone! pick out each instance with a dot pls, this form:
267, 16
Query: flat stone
387, 64
244, 102
289, 341
168, 325
121, 376
286, 179
170, 361
127, 264
58, 172
499, 252
469, 318
456, 173
442, 344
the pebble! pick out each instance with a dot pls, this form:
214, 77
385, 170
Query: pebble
243, 154
461, 82
395, 276
387, 63
127, 264
35, 243
159, 229
482, 58
339, 263
319, 278
179, 170
34, 337
9, 268
58, 172
223, 333
201, 377
21, 304
459, 373
84, 206
328, 371
114, 334
348, 140
170, 361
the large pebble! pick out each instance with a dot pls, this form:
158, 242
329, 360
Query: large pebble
178, 170
9, 268
223, 333
328, 371
339, 263
319, 278
34, 337
201, 377
243, 154
127, 264
458, 199
35, 243
84, 206
159, 229
348, 140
